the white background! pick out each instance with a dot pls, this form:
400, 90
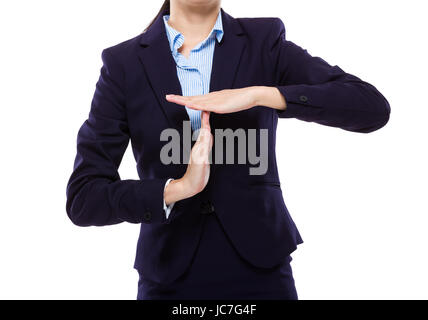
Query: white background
359, 200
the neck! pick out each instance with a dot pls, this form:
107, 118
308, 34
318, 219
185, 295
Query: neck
193, 22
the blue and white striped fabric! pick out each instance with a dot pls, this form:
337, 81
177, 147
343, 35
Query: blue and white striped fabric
194, 73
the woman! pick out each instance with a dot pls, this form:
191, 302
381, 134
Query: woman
219, 228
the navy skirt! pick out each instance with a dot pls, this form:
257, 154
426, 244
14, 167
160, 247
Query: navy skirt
218, 272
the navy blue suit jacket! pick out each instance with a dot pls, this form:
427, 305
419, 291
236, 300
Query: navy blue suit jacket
129, 105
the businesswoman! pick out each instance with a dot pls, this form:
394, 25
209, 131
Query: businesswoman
209, 230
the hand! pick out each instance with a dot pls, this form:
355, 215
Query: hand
232, 100
224, 101
198, 170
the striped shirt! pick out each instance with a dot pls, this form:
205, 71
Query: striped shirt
194, 72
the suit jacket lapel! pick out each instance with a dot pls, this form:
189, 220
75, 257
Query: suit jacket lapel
160, 67
155, 55
227, 54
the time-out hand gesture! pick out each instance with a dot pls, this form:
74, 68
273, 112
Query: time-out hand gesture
232, 100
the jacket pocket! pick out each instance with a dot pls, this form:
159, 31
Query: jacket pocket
265, 183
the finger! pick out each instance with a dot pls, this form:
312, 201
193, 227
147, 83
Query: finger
188, 102
203, 136
205, 115
194, 106
177, 99
207, 137
197, 104
205, 125
195, 97
205, 130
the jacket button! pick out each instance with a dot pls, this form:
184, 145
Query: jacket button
207, 207
147, 216
303, 98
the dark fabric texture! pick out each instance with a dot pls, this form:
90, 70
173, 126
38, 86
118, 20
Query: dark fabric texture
218, 272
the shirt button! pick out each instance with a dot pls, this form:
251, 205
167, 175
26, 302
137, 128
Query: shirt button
303, 98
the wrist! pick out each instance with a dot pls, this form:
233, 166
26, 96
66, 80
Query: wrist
177, 190
269, 97
187, 187
258, 92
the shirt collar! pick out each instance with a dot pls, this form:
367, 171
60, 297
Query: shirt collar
176, 39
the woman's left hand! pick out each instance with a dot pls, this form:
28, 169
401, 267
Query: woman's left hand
232, 100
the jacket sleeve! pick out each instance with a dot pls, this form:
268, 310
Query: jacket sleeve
95, 193
317, 92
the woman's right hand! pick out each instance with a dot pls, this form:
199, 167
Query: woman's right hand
198, 170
